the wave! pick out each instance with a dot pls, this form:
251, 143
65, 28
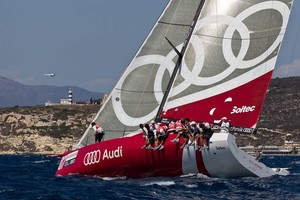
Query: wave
41, 161
113, 178
160, 183
41, 175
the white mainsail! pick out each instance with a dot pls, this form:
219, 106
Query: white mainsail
229, 59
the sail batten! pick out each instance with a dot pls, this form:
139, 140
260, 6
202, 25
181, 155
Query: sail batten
137, 91
168, 23
229, 38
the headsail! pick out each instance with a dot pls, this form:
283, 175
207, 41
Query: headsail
138, 94
228, 65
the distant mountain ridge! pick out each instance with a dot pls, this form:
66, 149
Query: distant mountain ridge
13, 93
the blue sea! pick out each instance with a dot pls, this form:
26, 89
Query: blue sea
33, 177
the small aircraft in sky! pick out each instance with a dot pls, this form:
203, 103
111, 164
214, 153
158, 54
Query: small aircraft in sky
49, 74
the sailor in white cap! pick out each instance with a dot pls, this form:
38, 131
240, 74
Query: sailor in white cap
225, 124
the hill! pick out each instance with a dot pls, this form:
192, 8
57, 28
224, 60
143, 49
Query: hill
13, 93
40, 129
43, 129
280, 114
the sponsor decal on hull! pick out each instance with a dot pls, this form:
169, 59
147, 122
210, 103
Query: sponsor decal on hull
112, 154
96, 156
241, 129
68, 160
220, 148
92, 158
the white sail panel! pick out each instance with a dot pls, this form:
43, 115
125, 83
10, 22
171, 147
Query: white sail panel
229, 61
137, 96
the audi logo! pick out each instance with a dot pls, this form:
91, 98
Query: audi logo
92, 158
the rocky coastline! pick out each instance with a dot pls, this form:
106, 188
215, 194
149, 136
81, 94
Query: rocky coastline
55, 129
43, 129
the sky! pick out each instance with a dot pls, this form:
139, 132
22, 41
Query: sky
89, 43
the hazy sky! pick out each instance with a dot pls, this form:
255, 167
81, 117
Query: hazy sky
89, 43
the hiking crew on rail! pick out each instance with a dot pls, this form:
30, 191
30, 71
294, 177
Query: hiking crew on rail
193, 133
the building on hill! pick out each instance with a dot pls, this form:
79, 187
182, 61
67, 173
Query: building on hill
68, 101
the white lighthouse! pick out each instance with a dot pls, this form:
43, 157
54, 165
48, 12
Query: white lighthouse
69, 100
70, 96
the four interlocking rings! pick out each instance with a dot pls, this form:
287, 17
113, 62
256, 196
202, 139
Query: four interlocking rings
92, 158
192, 77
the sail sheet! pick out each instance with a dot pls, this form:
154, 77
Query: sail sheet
228, 63
137, 95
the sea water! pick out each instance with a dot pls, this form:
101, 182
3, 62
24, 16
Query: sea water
33, 177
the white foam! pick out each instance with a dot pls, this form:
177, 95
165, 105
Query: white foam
161, 183
187, 175
203, 176
7, 190
114, 178
41, 161
191, 186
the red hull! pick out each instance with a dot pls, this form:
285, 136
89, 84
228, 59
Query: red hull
124, 157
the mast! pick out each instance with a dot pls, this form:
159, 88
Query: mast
180, 56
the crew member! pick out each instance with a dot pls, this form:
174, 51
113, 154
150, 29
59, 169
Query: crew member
207, 133
224, 125
145, 132
99, 133
161, 130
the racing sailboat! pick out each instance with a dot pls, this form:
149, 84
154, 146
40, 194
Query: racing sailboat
202, 60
